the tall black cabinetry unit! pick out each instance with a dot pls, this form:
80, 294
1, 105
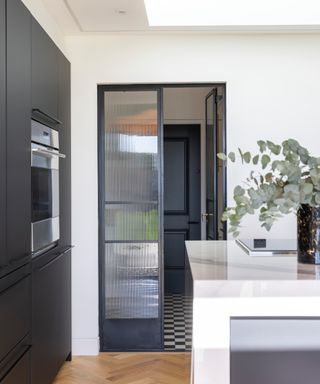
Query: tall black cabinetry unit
35, 294
18, 131
51, 272
15, 210
15, 107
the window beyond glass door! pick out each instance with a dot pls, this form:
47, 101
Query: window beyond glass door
131, 206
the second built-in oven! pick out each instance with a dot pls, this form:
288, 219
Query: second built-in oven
45, 155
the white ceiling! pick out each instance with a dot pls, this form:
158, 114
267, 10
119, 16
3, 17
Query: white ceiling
92, 16
105, 16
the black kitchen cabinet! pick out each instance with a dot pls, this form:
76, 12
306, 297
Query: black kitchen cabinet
3, 260
35, 312
51, 317
18, 136
20, 373
65, 147
15, 324
44, 74
15, 304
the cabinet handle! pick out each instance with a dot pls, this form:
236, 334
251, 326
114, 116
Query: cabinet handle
46, 116
55, 258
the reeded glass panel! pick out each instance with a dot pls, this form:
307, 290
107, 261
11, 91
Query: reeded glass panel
131, 222
131, 146
132, 205
132, 281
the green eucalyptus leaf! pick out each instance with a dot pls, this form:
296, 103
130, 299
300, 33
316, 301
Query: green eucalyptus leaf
241, 199
222, 156
255, 159
239, 191
247, 157
268, 177
307, 188
262, 145
265, 160
275, 149
312, 162
232, 156
291, 191
294, 145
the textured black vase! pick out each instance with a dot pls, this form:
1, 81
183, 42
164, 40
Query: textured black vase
309, 234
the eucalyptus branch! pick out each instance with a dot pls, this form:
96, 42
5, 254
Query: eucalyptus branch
291, 178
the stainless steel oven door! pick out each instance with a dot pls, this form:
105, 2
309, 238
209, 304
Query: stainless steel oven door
45, 231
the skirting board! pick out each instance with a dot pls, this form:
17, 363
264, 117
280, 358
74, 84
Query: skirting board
85, 347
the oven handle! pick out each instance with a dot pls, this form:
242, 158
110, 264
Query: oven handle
48, 153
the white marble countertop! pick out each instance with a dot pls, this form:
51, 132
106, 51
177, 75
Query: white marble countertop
228, 284
226, 260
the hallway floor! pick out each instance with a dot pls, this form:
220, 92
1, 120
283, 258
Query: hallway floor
127, 368
177, 323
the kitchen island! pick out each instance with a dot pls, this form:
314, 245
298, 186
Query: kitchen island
245, 304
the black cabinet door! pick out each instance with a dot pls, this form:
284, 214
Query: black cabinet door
18, 131
65, 147
15, 315
51, 318
44, 72
3, 260
20, 373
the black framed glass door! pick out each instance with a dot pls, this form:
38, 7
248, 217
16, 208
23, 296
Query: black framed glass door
130, 218
215, 168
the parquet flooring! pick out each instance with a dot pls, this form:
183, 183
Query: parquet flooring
127, 368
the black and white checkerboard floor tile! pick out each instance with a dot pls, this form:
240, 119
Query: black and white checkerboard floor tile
177, 323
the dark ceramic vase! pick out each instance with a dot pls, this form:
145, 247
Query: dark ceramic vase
308, 234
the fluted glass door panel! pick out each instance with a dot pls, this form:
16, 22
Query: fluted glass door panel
131, 146
126, 222
132, 281
132, 220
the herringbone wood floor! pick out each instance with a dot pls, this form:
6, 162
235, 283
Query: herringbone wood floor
127, 368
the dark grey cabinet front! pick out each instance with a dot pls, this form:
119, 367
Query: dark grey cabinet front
18, 115
51, 318
44, 72
20, 373
65, 147
15, 319
3, 260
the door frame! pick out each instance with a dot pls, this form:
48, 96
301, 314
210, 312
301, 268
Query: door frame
101, 89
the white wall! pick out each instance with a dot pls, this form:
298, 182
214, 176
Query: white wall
273, 88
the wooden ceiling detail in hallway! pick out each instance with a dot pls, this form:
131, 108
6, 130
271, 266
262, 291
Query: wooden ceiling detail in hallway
127, 368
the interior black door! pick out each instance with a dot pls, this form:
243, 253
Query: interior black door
215, 168
181, 200
130, 219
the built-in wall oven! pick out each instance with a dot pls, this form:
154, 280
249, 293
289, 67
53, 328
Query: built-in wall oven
45, 155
